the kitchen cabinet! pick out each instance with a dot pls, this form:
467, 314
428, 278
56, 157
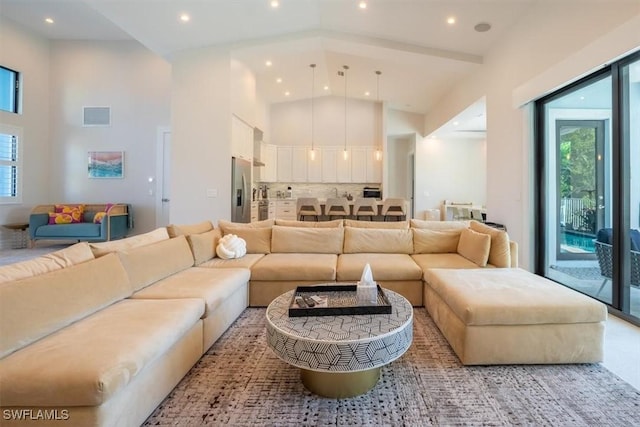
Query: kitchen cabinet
374, 165
314, 166
286, 209
241, 139
268, 156
359, 161
272, 210
343, 166
329, 164
284, 159
299, 158
254, 211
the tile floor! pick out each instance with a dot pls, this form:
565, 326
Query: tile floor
622, 339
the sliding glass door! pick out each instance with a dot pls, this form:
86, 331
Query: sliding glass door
588, 197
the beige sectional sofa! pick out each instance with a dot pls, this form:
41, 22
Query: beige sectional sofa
99, 334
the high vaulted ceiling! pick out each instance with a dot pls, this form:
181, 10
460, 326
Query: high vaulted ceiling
419, 54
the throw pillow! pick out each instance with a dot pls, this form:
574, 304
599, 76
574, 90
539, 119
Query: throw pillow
204, 245
97, 218
500, 250
231, 246
427, 241
76, 211
60, 218
474, 246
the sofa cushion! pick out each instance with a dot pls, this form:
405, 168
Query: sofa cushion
474, 246
311, 224
212, 286
500, 252
75, 254
148, 264
38, 306
376, 224
427, 241
203, 245
80, 229
376, 240
258, 239
224, 225
383, 267
246, 261
439, 225
187, 229
511, 296
306, 240
274, 267
88, 362
100, 249
456, 260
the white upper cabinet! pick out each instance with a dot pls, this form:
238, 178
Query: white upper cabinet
343, 166
241, 139
359, 164
374, 165
284, 164
329, 164
314, 166
299, 158
268, 156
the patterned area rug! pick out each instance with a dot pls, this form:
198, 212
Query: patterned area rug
240, 382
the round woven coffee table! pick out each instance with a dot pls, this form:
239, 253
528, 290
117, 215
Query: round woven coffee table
340, 356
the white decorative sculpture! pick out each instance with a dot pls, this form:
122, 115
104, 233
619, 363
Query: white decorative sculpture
231, 246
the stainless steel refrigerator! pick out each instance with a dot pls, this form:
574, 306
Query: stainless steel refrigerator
240, 190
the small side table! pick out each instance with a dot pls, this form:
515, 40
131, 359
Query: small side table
20, 237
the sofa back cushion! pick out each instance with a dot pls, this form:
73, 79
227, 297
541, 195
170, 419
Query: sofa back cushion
435, 241
203, 245
474, 246
258, 239
103, 248
376, 224
312, 224
224, 225
148, 264
377, 240
75, 254
307, 240
37, 306
439, 225
500, 251
187, 229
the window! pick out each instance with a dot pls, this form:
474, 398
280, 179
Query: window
10, 164
9, 90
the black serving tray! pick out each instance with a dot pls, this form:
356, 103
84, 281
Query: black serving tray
341, 300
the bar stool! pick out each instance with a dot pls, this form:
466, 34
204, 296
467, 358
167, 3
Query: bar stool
365, 206
337, 207
394, 208
308, 206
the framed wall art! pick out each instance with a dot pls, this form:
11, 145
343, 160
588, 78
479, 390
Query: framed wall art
106, 164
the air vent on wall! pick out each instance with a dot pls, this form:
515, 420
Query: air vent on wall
96, 116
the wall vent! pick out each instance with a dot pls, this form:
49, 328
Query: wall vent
96, 116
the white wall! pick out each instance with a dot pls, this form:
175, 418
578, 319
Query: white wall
135, 83
291, 122
201, 138
28, 54
453, 169
543, 39
243, 90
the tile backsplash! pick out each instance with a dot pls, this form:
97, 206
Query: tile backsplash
322, 191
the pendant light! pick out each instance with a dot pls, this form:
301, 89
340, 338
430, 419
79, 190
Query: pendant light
379, 124
345, 153
312, 153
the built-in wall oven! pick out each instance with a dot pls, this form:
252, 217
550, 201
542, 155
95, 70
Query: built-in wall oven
263, 210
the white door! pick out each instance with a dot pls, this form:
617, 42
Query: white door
163, 174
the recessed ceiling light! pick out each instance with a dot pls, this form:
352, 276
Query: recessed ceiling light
456, 123
185, 17
268, 63
274, 4
582, 98
278, 80
326, 87
451, 20
49, 20
482, 27
362, 5
287, 93
367, 93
